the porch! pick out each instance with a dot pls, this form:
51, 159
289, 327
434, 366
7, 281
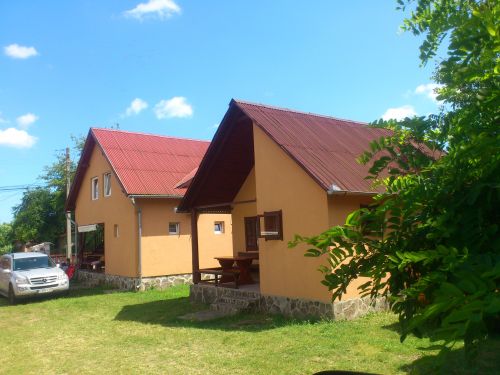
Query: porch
91, 252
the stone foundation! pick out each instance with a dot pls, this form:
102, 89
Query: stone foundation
92, 279
291, 307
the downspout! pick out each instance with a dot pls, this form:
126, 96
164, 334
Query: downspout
76, 242
139, 244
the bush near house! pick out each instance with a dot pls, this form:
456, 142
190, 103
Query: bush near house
435, 232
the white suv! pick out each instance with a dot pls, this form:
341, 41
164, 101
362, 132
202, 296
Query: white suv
29, 274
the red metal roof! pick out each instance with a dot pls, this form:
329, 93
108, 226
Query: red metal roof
326, 147
145, 164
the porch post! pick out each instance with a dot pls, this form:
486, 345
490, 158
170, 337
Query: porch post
194, 246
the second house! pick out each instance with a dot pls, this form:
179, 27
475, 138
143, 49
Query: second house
125, 195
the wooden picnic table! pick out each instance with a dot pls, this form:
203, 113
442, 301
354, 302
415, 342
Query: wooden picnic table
243, 264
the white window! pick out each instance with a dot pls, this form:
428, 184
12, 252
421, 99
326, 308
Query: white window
173, 228
218, 227
107, 184
117, 231
95, 188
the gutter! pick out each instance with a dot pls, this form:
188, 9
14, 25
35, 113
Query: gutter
139, 245
132, 196
335, 190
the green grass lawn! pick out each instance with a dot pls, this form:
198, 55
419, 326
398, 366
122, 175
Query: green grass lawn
139, 333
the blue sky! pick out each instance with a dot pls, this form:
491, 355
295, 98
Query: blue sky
172, 66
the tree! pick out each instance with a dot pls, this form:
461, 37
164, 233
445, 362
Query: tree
431, 241
41, 215
36, 218
5, 238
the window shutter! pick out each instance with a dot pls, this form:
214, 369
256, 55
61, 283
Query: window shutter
273, 225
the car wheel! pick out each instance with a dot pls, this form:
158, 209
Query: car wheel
11, 296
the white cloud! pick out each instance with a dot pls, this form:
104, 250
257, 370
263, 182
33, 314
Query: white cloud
429, 90
175, 107
137, 106
154, 8
399, 113
13, 137
20, 52
26, 120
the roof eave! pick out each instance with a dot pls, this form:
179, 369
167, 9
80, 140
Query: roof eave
186, 204
171, 196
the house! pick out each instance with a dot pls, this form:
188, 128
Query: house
124, 197
282, 172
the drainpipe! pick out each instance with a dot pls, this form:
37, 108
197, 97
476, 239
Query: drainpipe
76, 242
139, 245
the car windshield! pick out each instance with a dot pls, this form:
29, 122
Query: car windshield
30, 263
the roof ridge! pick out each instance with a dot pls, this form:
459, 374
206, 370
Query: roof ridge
283, 109
150, 134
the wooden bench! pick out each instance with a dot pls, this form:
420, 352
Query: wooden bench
219, 274
249, 254
254, 255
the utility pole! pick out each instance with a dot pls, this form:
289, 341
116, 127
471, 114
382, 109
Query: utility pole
68, 213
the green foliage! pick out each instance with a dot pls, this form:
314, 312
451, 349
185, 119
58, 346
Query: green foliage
40, 216
36, 218
431, 241
5, 238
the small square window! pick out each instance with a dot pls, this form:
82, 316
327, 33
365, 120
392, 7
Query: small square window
219, 227
107, 184
117, 231
95, 188
173, 228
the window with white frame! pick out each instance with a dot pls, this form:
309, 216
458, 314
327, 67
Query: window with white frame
173, 228
218, 227
107, 184
95, 188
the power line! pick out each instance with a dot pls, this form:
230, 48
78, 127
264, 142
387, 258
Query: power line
18, 187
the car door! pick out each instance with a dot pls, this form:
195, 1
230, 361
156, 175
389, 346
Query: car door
4, 273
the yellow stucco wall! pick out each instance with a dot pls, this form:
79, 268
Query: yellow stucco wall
120, 253
339, 206
281, 184
242, 210
210, 244
162, 254
166, 254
